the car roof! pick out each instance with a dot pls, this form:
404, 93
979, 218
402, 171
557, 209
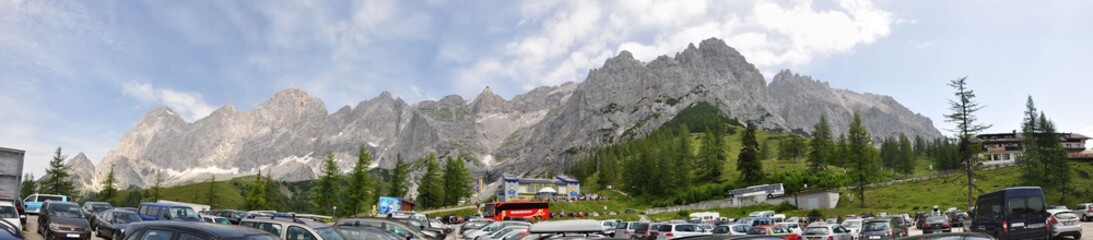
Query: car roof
293, 221
566, 226
63, 203
7, 204
157, 204
220, 230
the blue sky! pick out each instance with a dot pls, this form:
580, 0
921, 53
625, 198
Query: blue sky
79, 74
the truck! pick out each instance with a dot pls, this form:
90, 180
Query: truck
11, 171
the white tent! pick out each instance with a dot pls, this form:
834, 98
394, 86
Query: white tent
548, 190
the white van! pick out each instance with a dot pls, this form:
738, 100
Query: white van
706, 217
769, 214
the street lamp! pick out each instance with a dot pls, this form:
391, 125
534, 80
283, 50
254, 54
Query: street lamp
335, 212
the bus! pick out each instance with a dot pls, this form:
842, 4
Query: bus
530, 210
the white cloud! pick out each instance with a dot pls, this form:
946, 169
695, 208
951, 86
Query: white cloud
573, 37
190, 105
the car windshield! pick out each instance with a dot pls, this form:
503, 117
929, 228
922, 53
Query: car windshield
936, 219
817, 231
852, 224
182, 212
98, 208
124, 217
758, 231
328, 233
8, 212
70, 211
876, 226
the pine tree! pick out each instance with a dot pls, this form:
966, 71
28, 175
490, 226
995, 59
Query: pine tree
1055, 157
860, 153
399, 176
359, 194
58, 180
712, 161
429, 188
963, 115
751, 169
1034, 167
29, 186
157, 187
109, 191
255, 199
822, 147
210, 192
920, 146
457, 181
906, 155
764, 150
327, 193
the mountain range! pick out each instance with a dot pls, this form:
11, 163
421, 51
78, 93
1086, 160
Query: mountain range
532, 134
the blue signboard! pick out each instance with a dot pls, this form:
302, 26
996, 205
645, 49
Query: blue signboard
389, 205
573, 194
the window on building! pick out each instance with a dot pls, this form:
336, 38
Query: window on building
1006, 156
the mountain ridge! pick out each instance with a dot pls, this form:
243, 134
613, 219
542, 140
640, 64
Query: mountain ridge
533, 133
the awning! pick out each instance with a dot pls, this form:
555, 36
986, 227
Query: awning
548, 190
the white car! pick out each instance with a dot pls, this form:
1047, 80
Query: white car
675, 231
1064, 223
1086, 211
736, 229
854, 225
10, 214
792, 227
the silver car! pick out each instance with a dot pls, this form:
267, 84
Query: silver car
826, 232
1064, 223
1085, 210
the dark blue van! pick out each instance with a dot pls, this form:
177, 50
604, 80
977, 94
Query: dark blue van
1012, 213
151, 211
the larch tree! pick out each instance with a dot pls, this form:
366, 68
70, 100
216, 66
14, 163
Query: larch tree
822, 147
327, 193
399, 177
359, 194
963, 110
751, 169
109, 191
860, 152
58, 180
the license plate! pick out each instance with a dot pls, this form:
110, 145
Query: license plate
874, 237
70, 235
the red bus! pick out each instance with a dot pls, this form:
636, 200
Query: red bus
499, 211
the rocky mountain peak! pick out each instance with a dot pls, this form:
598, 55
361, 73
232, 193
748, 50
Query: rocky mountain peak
487, 101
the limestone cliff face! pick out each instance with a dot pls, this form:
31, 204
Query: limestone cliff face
536, 132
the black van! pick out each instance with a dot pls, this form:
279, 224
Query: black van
1012, 213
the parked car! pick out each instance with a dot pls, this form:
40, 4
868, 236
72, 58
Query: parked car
498, 226
879, 229
1085, 211
951, 236
92, 210
293, 228
565, 229
9, 231
9, 213
215, 219
365, 233
792, 227
151, 211
233, 216
19, 207
191, 230
401, 229
854, 226
34, 202
920, 218
936, 224
773, 230
677, 230
826, 232
609, 227
500, 234
737, 229
1012, 213
112, 223
627, 230
756, 221
474, 224
1064, 223
62, 220
902, 228
957, 217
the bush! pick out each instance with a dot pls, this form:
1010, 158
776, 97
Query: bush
784, 207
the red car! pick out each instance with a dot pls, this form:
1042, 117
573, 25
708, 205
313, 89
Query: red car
773, 230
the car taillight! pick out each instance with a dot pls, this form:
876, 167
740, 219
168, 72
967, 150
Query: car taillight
1005, 226
830, 237
670, 234
1053, 220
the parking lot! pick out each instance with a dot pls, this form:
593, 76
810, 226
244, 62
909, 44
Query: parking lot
32, 223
